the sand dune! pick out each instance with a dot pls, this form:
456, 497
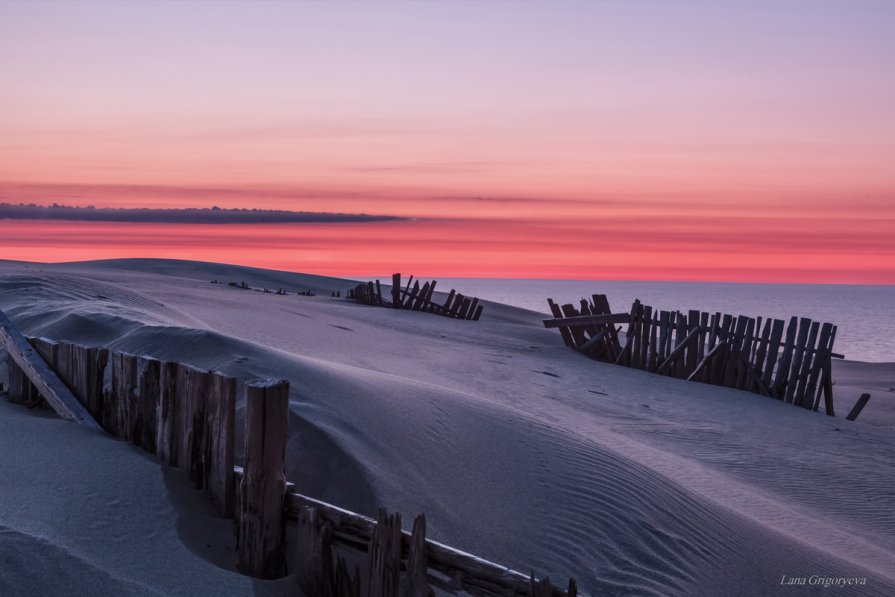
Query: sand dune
516, 448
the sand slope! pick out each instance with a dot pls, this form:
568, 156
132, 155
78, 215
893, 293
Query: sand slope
516, 448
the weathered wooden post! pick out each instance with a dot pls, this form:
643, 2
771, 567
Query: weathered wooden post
260, 549
19, 387
148, 381
385, 556
167, 439
219, 435
417, 566
125, 402
396, 291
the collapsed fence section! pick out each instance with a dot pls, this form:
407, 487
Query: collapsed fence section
790, 362
417, 298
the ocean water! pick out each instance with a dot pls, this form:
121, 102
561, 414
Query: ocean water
865, 314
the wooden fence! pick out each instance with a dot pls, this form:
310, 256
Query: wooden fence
790, 362
417, 298
186, 417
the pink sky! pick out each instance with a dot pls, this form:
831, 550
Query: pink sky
653, 140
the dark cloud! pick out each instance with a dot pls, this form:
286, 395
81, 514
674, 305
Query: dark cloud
214, 215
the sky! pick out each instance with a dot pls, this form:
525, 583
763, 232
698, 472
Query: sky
662, 140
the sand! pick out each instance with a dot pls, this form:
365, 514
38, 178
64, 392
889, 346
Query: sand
516, 448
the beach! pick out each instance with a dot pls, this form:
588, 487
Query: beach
518, 449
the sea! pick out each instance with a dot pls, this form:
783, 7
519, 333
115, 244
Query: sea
865, 315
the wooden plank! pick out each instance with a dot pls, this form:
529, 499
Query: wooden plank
429, 294
669, 337
411, 298
744, 380
632, 334
396, 291
464, 308
378, 293
779, 387
692, 357
705, 361
678, 366
406, 292
652, 359
725, 336
385, 556
858, 407
828, 377
661, 350
828, 389
594, 341
703, 336
678, 350
563, 330
829, 352
773, 349
817, 366
168, 425
219, 443
417, 567
473, 307
39, 374
458, 303
736, 345
714, 330
800, 398
478, 313
18, 383
95, 368
198, 389
577, 331
581, 321
149, 382
313, 554
472, 574
182, 410
601, 307
798, 353
260, 545
123, 395
592, 329
761, 350
421, 297
711, 342
645, 325
445, 309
